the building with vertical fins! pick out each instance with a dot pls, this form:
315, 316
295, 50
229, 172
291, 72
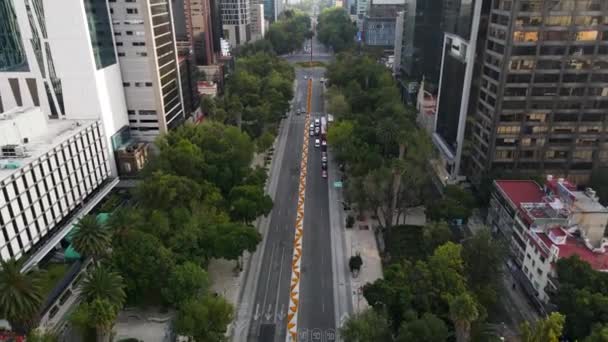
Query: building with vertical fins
146, 49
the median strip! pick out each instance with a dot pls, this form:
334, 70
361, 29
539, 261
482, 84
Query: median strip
294, 289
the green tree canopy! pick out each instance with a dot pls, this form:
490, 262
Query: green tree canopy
20, 295
204, 319
186, 281
90, 237
335, 29
368, 326
428, 328
545, 330
104, 284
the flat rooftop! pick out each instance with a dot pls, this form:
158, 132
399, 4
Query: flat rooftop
520, 191
574, 246
52, 134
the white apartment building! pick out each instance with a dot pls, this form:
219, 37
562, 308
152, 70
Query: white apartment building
236, 21
61, 59
258, 23
50, 172
545, 224
145, 44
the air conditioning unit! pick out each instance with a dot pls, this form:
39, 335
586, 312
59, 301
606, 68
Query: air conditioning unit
12, 151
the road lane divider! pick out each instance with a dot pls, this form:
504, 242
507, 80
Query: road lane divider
294, 288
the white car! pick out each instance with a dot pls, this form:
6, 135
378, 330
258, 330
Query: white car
324, 157
323, 142
305, 77
312, 133
317, 122
317, 143
312, 126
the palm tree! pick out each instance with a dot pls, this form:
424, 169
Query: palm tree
91, 238
103, 313
20, 295
463, 311
105, 284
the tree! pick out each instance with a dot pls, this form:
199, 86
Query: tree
249, 202
98, 315
39, 336
208, 106
20, 295
91, 238
368, 326
545, 330
165, 191
335, 29
599, 333
428, 328
204, 319
463, 311
264, 142
483, 258
233, 239
103, 284
456, 203
185, 282
435, 234
144, 262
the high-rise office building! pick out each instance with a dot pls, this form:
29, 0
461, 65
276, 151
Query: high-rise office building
258, 23
379, 24
537, 101
199, 30
145, 42
542, 103
61, 59
236, 22
421, 45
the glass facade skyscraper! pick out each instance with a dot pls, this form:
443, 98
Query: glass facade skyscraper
100, 31
12, 54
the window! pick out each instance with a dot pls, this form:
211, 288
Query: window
556, 35
508, 130
586, 35
121, 54
139, 44
131, 112
126, 84
520, 36
561, 20
583, 155
523, 51
552, 50
147, 112
118, 43
522, 64
549, 64
132, 11
138, 84
129, 33
587, 20
546, 78
148, 84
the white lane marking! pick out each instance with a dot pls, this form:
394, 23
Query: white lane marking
276, 303
268, 278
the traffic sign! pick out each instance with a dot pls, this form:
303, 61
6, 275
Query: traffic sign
337, 184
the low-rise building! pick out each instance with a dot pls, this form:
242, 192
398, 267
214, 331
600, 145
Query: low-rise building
544, 224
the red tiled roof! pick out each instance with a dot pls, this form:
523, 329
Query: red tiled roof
521, 191
598, 261
558, 231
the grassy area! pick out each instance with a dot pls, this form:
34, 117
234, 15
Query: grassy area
405, 243
50, 275
315, 64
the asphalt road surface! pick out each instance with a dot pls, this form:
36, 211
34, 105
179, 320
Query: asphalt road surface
316, 320
271, 301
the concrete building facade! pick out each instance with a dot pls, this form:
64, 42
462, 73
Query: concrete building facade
61, 59
236, 21
147, 53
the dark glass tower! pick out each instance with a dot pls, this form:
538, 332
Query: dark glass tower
12, 53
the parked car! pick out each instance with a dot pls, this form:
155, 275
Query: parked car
312, 133
323, 165
324, 157
324, 173
323, 142
317, 143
